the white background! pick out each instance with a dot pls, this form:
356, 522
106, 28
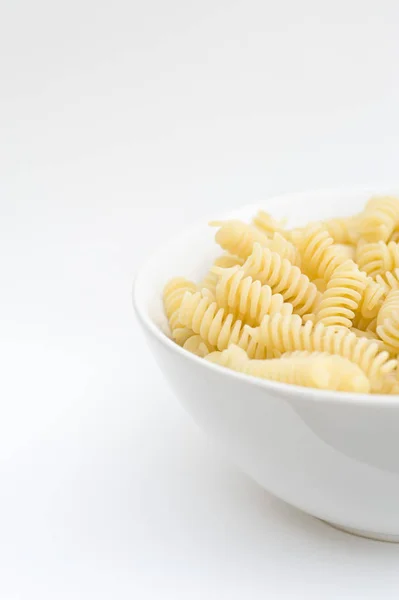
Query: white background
121, 122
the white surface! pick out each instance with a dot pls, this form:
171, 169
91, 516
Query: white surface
119, 123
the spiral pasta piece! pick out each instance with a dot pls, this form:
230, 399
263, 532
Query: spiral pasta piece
346, 250
196, 345
388, 322
216, 326
238, 238
287, 334
268, 225
285, 249
343, 230
379, 219
284, 278
225, 261
247, 299
318, 251
389, 280
373, 296
320, 284
306, 369
342, 297
377, 258
173, 294
394, 237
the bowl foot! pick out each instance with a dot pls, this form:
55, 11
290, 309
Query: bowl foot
371, 535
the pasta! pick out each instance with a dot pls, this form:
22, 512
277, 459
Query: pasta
373, 295
172, 297
196, 345
216, 326
307, 369
342, 297
238, 238
377, 258
390, 280
319, 252
269, 226
343, 230
316, 306
284, 278
379, 219
286, 334
388, 322
249, 300
225, 261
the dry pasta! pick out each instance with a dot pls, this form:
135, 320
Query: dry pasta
308, 369
316, 306
268, 225
319, 253
388, 322
286, 334
216, 326
226, 260
342, 297
377, 258
284, 278
379, 219
249, 300
172, 297
343, 230
238, 238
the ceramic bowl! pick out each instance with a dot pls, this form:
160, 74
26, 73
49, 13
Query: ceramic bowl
332, 455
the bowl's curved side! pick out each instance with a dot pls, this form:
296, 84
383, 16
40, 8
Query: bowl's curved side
269, 440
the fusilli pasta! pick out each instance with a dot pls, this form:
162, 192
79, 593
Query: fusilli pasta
342, 297
388, 322
316, 370
248, 300
319, 254
286, 334
379, 219
284, 278
315, 306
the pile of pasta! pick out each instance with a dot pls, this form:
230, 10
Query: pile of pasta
316, 306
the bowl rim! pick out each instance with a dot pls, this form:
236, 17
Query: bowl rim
293, 391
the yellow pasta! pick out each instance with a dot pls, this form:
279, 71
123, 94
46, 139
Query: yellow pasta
225, 261
373, 296
284, 248
216, 326
319, 253
379, 219
346, 250
172, 297
286, 334
377, 258
284, 278
389, 280
316, 370
196, 345
268, 225
388, 322
343, 230
238, 238
248, 300
342, 297
314, 306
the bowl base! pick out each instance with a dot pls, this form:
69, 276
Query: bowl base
371, 535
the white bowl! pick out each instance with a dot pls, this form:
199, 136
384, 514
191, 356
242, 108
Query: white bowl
332, 455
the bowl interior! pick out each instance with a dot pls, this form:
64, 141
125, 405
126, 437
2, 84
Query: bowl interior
190, 254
